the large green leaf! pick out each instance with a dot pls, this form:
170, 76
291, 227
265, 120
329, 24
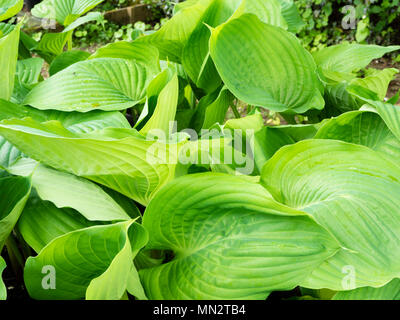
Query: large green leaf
140, 52
120, 159
352, 191
377, 81
165, 110
66, 59
52, 45
14, 194
109, 84
91, 16
9, 8
350, 57
212, 109
196, 58
364, 128
291, 15
68, 11
8, 62
230, 240
94, 263
172, 37
265, 75
73, 121
391, 291
41, 222
3, 289
27, 75
68, 191
28, 70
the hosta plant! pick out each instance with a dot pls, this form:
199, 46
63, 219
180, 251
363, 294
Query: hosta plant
121, 176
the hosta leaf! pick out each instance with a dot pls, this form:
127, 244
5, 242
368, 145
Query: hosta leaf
351, 191
68, 11
52, 45
41, 222
110, 84
140, 52
269, 140
389, 113
28, 70
8, 62
268, 11
212, 109
45, 9
27, 74
362, 127
350, 57
73, 121
390, 291
91, 16
378, 81
120, 159
9, 8
196, 58
66, 59
230, 240
3, 289
291, 15
165, 110
66, 190
290, 86
172, 37
94, 263
14, 194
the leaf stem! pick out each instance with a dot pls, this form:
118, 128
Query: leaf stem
235, 111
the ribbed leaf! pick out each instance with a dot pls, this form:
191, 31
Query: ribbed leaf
14, 194
91, 16
391, 291
27, 75
290, 85
196, 58
172, 37
364, 128
212, 109
73, 121
140, 52
120, 159
45, 9
41, 222
68, 191
377, 81
291, 15
230, 240
110, 84
165, 110
94, 263
350, 190
28, 70
8, 62
68, 11
350, 57
9, 8
66, 59
52, 45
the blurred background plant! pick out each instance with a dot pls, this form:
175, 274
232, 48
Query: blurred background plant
327, 22
375, 22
